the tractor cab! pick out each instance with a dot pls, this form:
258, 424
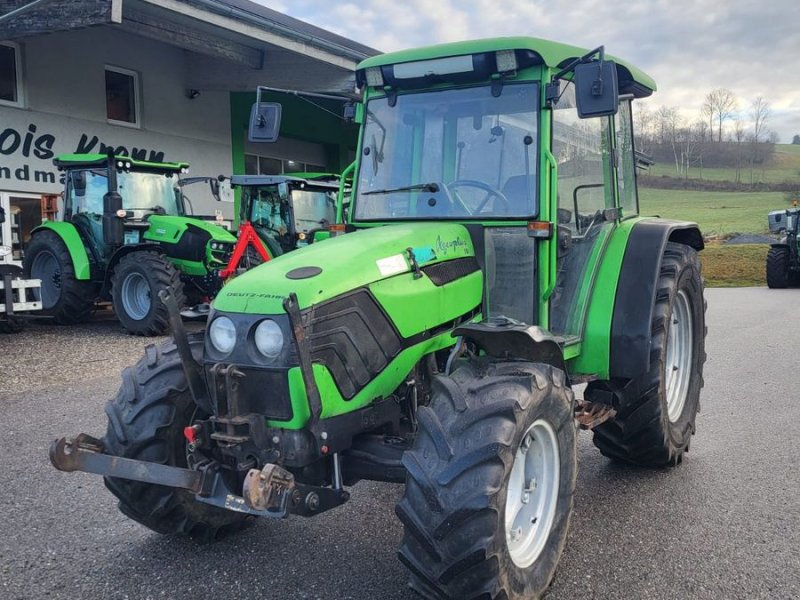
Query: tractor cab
287, 211
144, 189
280, 213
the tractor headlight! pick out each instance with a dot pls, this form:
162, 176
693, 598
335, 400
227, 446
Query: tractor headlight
222, 334
269, 338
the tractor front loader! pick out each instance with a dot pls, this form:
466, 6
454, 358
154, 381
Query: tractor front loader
494, 257
124, 237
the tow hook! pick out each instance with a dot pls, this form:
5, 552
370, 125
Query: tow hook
268, 489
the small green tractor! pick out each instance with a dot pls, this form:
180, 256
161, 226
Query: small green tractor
493, 257
124, 237
17, 294
783, 258
280, 213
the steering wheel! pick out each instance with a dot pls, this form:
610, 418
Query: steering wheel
491, 192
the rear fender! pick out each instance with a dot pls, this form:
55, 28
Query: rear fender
632, 318
505, 338
72, 240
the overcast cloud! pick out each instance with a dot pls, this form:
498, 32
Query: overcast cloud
689, 47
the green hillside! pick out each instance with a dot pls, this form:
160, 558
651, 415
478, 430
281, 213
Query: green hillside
720, 214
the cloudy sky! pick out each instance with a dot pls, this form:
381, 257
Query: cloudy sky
689, 46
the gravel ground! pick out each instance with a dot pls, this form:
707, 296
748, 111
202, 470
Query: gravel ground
751, 238
723, 525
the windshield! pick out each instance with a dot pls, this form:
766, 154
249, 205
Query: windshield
149, 191
460, 153
313, 209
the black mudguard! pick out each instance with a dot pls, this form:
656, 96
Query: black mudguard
506, 338
636, 291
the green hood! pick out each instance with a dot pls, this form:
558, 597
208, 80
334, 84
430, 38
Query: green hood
339, 265
170, 228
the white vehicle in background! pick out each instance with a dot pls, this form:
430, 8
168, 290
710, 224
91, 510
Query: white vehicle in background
17, 294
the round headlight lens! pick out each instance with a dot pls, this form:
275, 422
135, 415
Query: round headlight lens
222, 334
269, 338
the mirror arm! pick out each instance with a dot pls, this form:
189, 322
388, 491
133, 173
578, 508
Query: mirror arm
552, 89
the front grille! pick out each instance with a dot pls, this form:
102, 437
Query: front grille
353, 338
260, 391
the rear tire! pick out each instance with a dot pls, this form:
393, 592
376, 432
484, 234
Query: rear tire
656, 412
462, 482
145, 422
65, 298
778, 267
137, 279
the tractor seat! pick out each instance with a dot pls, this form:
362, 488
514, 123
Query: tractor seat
516, 190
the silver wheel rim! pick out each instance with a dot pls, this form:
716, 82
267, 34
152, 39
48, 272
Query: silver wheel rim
135, 296
678, 360
46, 267
532, 494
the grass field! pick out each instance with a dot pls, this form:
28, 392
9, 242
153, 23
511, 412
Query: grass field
734, 265
785, 167
721, 213
717, 213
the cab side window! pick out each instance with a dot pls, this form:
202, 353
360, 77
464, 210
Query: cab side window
626, 161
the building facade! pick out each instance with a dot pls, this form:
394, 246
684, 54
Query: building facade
167, 80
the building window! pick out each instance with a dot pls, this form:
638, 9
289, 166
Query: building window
265, 165
10, 74
122, 97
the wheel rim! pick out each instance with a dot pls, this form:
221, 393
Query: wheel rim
532, 493
678, 361
135, 296
45, 266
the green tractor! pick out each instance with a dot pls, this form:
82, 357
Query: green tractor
125, 236
494, 257
280, 213
783, 259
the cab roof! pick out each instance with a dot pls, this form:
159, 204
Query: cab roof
67, 161
554, 55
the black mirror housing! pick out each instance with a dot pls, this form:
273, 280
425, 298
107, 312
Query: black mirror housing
265, 122
596, 89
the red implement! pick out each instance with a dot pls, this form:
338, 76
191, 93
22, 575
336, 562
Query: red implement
247, 237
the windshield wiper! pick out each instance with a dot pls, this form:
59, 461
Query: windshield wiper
432, 187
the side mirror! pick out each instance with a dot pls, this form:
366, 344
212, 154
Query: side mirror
79, 183
596, 89
265, 122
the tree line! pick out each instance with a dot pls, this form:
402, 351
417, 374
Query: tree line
725, 134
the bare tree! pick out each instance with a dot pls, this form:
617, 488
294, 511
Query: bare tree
719, 106
760, 111
643, 121
738, 137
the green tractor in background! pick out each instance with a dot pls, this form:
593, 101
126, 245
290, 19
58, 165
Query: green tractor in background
280, 213
783, 258
124, 237
494, 257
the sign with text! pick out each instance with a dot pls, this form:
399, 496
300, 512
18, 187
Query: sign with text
29, 141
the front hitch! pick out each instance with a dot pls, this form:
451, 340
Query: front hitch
271, 492
85, 453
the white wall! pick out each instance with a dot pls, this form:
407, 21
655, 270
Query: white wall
64, 88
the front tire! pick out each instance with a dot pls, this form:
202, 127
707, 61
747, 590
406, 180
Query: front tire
479, 522
145, 422
778, 267
656, 412
65, 298
137, 279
